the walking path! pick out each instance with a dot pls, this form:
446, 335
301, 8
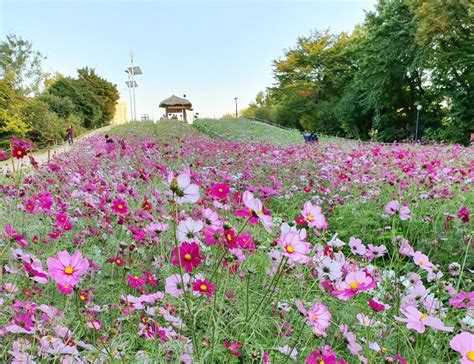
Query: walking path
41, 156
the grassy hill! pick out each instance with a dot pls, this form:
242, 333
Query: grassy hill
245, 130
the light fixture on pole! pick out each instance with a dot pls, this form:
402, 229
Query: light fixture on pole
131, 83
236, 110
418, 109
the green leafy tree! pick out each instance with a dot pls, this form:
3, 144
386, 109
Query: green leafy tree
105, 93
11, 120
21, 65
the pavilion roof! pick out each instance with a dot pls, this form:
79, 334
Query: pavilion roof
175, 101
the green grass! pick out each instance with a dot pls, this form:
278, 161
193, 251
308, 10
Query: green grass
245, 130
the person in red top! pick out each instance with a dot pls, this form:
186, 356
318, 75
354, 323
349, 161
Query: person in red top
70, 135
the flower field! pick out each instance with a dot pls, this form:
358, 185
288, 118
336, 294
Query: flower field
176, 243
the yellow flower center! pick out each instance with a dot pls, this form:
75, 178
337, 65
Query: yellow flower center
220, 189
290, 249
259, 212
118, 261
19, 152
203, 287
423, 316
470, 355
135, 277
69, 270
187, 257
321, 362
120, 206
354, 285
422, 262
309, 217
229, 237
82, 297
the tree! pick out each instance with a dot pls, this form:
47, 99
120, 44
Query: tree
11, 120
106, 93
20, 65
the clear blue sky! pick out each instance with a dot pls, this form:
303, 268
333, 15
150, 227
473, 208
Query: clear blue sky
212, 51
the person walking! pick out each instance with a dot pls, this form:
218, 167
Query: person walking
70, 135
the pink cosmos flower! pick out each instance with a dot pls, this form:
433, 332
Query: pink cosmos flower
174, 284
392, 207
318, 316
376, 251
233, 347
150, 279
182, 189
20, 147
211, 218
354, 282
18, 238
418, 321
463, 343
202, 287
463, 215
188, 230
376, 305
313, 216
135, 281
293, 248
67, 270
213, 236
255, 211
189, 256
422, 261
220, 190
324, 356
245, 241
119, 206
463, 300
356, 246
64, 289
22, 323
36, 271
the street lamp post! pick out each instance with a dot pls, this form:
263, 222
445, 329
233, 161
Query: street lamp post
418, 109
236, 110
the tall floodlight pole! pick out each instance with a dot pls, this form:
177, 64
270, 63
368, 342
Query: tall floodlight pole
129, 83
132, 72
236, 112
133, 90
418, 109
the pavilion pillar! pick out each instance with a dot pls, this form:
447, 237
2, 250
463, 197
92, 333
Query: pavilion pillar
184, 115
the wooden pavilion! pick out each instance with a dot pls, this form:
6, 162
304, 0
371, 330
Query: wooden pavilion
175, 104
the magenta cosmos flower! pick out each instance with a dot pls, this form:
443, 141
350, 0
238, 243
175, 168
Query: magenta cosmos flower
119, 206
325, 356
66, 270
220, 190
463, 300
202, 287
463, 215
189, 256
463, 343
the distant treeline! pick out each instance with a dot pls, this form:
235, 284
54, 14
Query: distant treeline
40, 106
368, 84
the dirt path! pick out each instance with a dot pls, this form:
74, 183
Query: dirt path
41, 156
